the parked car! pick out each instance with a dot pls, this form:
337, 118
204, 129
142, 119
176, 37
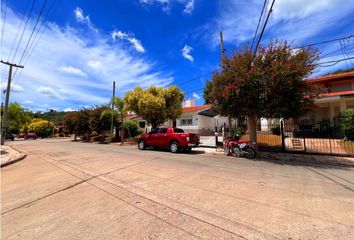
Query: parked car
9, 136
21, 135
27, 136
173, 138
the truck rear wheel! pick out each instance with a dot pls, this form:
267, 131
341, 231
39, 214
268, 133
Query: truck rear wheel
174, 147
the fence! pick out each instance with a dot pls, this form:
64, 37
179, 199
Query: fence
299, 137
303, 137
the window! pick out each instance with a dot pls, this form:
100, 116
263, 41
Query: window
163, 130
178, 130
187, 121
154, 131
142, 124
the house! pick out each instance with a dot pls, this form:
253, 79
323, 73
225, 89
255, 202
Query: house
200, 119
333, 94
194, 119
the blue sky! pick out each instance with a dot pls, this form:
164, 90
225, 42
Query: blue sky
88, 44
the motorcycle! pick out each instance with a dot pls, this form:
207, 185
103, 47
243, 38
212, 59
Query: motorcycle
236, 147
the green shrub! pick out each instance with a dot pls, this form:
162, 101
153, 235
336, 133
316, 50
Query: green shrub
61, 135
132, 128
347, 123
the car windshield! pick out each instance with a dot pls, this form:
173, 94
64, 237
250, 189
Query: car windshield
178, 130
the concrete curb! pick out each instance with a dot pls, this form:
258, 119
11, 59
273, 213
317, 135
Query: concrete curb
15, 160
295, 159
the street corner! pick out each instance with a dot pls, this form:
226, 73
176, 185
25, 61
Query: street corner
10, 155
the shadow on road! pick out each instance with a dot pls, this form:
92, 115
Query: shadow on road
324, 164
193, 152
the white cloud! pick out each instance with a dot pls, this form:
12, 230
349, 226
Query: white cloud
27, 102
189, 7
166, 4
72, 70
69, 109
130, 38
14, 88
186, 53
17, 88
299, 22
80, 17
50, 92
94, 64
74, 49
290, 19
196, 96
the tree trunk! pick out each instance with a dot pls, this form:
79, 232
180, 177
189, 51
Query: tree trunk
252, 129
230, 127
122, 133
75, 135
174, 123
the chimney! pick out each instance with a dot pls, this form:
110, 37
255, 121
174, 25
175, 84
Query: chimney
189, 103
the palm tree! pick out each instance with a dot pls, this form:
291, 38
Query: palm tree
119, 112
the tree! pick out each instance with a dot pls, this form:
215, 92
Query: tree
17, 117
268, 84
155, 104
77, 122
41, 127
132, 128
97, 122
347, 123
119, 113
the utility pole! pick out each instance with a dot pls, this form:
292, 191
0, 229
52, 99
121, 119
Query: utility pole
222, 48
113, 96
7, 97
222, 62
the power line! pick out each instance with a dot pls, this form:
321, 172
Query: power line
307, 27
34, 28
197, 77
264, 26
38, 35
259, 21
24, 28
33, 45
3, 21
326, 41
18, 31
334, 62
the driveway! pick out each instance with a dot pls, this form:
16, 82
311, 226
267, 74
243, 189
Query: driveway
72, 190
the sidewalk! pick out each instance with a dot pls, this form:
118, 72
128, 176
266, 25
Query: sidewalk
10, 155
292, 157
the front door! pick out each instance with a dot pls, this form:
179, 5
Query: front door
162, 139
151, 139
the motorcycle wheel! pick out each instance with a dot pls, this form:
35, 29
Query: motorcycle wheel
249, 152
226, 151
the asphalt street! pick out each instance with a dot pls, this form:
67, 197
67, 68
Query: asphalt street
73, 190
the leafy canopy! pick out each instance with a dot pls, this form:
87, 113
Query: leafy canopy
17, 117
269, 84
41, 127
155, 104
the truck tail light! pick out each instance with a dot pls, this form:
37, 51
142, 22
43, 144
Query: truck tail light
188, 139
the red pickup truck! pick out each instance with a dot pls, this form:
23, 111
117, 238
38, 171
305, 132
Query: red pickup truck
173, 138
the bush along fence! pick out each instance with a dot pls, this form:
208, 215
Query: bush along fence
323, 137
